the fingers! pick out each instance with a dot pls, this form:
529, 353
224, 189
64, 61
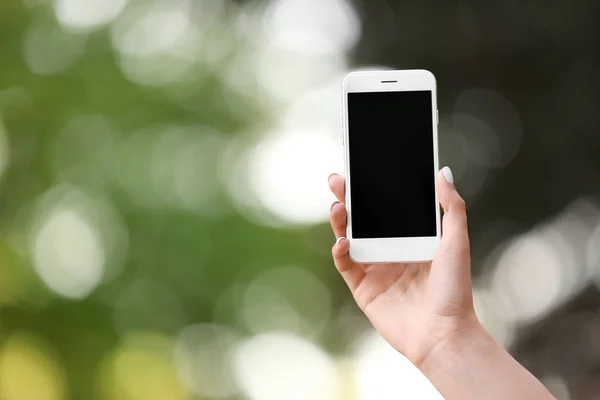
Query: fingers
455, 235
338, 218
352, 273
337, 184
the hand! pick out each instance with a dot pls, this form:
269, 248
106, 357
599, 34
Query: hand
415, 307
425, 311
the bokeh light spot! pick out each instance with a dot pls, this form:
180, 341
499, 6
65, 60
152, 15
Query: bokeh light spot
278, 300
87, 14
319, 110
275, 366
314, 26
68, 253
478, 140
142, 368
289, 174
502, 129
529, 258
286, 74
457, 148
49, 50
383, 373
204, 357
553, 255
29, 370
152, 30
493, 316
307, 45
171, 44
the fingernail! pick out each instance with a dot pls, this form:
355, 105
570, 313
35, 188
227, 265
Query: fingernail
329, 177
448, 175
333, 205
337, 242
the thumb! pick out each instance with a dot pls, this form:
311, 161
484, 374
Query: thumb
451, 266
455, 235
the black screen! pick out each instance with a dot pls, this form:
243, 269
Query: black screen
391, 164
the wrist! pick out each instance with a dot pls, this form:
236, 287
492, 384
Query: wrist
451, 344
453, 362
468, 364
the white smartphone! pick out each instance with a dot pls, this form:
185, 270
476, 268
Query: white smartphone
391, 152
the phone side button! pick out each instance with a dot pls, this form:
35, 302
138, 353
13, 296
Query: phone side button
438, 116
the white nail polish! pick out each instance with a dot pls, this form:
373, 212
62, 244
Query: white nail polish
337, 242
448, 175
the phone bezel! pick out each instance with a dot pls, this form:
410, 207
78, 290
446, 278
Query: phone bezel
391, 250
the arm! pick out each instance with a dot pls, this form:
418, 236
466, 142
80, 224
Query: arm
425, 311
472, 365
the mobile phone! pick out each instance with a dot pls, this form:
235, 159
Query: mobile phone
391, 158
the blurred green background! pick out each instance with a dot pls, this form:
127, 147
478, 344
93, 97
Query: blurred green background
164, 204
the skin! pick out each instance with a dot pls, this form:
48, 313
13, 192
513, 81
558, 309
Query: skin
425, 311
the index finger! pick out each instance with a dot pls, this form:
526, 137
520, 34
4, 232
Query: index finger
337, 184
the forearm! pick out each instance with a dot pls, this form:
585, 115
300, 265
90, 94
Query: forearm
473, 365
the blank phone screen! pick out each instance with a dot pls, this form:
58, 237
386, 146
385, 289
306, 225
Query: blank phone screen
391, 164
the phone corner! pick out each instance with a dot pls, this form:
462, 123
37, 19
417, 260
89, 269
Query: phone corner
349, 76
353, 257
430, 75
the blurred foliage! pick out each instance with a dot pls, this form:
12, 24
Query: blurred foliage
179, 255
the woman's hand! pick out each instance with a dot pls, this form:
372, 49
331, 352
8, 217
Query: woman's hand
415, 307
425, 311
